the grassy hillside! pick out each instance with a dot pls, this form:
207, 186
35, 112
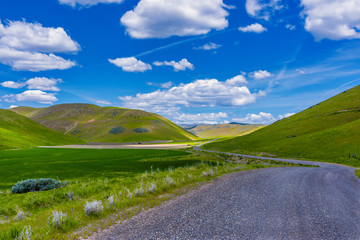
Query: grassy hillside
92, 123
223, 130
17, 131
329, 131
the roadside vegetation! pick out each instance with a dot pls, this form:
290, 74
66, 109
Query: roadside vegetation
357, 172
328, 131
100, 187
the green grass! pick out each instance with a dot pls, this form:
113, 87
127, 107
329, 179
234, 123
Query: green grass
69, 164
357, 172
329, 131
17, 131
92, 123
223, 130
100, 175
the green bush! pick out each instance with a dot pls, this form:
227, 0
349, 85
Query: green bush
141, 130
117, 130
36, 185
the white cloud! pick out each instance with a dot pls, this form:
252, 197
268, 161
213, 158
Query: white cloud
262, 8
30, 47
13, 106
87, 3
261, 74
42, 83
130, 64
166, 18
256, 28
286, 115
237, 80
163, 85
32, 96
12, 84
102, 102
332, 19
200, 118
208, 46
178, 66
261, 118
290, 27
200, 93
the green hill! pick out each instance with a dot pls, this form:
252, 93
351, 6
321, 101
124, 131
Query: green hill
223, 130
92, 123
329, 131
17, 131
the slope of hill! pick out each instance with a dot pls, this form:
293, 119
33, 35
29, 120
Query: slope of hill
92, 123
17, 131
223, 130
328, 131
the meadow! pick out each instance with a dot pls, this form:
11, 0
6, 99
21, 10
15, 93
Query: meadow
103, 186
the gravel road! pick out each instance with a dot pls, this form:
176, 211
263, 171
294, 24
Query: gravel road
275, 203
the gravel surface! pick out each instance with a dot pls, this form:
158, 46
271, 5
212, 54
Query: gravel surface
274, 203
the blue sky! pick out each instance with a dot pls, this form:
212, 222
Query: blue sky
204, 61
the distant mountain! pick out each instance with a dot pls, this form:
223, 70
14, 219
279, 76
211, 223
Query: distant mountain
17, 131
223, 130
328, 131
92, 123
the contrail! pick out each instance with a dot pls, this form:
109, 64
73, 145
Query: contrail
183, 41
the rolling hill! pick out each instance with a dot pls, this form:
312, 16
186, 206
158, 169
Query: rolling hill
17, 131
223, 130
92, 123
328, 131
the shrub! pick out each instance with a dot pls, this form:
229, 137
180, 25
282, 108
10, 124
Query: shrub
141, 130
139, 192
25, 234
20, 215
93, 208
111, 202
58, 219
117, 130
209, 173
169, 181
36, 185
151, 188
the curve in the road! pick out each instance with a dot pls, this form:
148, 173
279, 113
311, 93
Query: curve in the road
274, 203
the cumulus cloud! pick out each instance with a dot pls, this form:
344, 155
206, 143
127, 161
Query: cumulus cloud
131, 64
32, 96
262, 118
256, 28
286, 115
200, 93
87, 3
178, 66
31, 47
332, 19
13, 106
38, 83
12, 84
237, 80
199, 118
208, 46
262, 8
43, 83
261, 74
166, 18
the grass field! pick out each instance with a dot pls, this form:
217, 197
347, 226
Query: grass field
17, 131
223, 130
92, 123
125, 181
357, 172
329, 131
